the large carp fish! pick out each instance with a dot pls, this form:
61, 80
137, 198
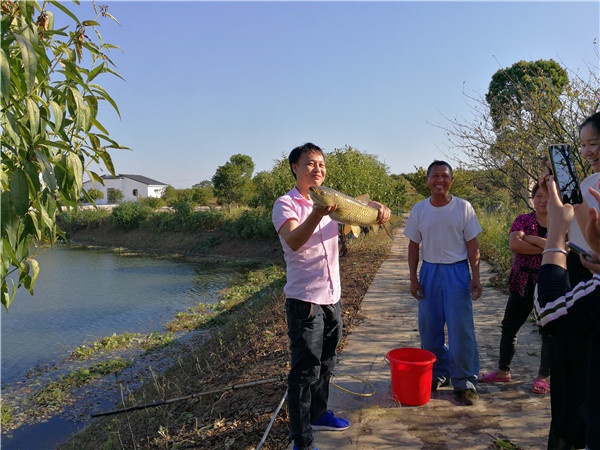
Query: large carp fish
352, 212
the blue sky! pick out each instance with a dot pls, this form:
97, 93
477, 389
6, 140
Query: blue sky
207, 80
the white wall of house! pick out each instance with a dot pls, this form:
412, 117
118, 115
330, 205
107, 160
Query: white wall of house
132, 187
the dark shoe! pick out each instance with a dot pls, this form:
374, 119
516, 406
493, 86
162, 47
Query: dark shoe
439, 382
467, 397
296, 448
329, 422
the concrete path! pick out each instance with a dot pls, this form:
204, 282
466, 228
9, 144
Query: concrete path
508, 411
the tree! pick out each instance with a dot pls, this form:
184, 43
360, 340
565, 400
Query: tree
204, 184
528, 106
348, 170
50, 103
355, 173
270, 185
115, 195
472, 185
525, 92
233, 181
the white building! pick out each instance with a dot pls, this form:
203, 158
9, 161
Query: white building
132, 187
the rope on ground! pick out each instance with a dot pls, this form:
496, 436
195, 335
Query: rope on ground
187, 397
266, 433
358, 394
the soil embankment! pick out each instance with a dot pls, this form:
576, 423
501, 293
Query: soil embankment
184, 245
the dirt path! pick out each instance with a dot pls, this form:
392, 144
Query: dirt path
508, 411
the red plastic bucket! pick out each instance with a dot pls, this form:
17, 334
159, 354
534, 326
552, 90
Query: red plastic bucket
411, 370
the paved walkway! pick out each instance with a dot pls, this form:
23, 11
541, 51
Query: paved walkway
508, 411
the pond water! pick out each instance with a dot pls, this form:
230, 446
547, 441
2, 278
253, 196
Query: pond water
84, 295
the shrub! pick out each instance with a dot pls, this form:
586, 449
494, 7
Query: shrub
206, 221
184, 208
129, 215
493, 242
95, 194
253, 223
84, 218
152, 202
115, 195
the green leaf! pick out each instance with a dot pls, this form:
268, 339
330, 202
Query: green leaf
35, 224
29, 60
80, 110
23, 244
57, 112
99, 90
19, 192
98, 125
75, 166
47, 170
8, 295
33, 272
92, 103
6, 209
10, 231
31, 170
8, 253
65, 10
46, 219
11, 127
95, 72
33, 112
4, 75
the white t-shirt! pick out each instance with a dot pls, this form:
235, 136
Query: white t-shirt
443, 231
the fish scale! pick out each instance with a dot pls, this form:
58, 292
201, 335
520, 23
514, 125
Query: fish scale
350, 211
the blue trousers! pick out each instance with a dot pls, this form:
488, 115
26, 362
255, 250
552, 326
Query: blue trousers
314, 332
447, 301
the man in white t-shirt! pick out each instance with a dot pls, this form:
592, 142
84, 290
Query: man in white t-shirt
445, 229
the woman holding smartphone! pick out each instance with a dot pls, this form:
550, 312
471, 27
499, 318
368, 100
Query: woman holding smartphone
577, 309
571, 351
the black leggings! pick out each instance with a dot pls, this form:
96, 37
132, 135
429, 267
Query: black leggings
516, 313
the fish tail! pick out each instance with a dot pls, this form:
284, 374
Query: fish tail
389, 229
390, 224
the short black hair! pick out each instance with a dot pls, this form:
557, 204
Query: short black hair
295, 154
440, 163
594, 120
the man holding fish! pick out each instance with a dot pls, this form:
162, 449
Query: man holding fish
309, 237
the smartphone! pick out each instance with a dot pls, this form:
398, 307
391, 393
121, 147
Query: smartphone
581, 251
565, 175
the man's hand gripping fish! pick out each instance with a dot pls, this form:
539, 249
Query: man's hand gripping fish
352, 212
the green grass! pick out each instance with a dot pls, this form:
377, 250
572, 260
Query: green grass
209, 314
148, 342
6, 415
56, 393
493, 243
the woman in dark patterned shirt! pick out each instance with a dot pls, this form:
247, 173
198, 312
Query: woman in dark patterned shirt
527, 240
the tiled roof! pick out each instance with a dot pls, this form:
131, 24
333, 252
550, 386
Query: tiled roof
138, 178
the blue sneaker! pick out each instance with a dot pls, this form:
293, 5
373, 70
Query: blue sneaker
329, 422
